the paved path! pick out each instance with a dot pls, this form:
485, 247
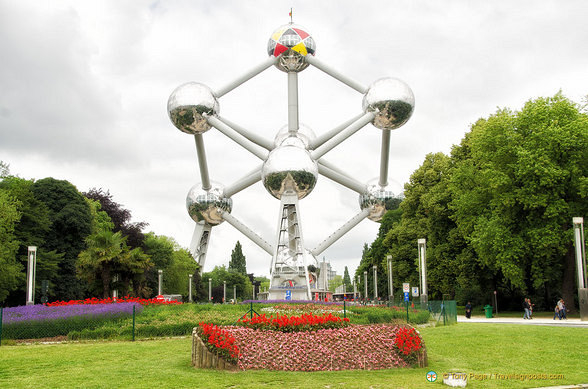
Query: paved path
520, 320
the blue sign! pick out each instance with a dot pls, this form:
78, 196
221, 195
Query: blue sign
405, 296
288, 295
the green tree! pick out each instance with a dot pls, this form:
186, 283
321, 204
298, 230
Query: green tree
220, 274
161, 250
175, 276
346, 278
71, 223
237, 262
11, 274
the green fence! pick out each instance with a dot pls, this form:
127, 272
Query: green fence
130, 321
443, 312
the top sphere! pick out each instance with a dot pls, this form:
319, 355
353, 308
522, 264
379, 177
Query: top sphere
189, 105
391, 100
293, 43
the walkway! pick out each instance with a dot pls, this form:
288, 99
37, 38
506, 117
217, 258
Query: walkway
519, 320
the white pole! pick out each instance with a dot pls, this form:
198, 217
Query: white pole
580, 254
210, 289
190, 287
224, 291
390, 283
423, 261
375, 282
365, 282
31, 256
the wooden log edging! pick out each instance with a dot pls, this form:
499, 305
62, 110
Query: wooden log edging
202, 358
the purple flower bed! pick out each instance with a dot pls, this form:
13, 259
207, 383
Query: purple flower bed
355, 347
27, 313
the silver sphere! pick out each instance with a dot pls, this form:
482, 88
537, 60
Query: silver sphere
289, 168
376, 196
391, 100
207, 205
189, 105
304, 133
292, 43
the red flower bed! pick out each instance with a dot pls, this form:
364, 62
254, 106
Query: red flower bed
353, 347
219, 340
408, 343
111, 300
285, 323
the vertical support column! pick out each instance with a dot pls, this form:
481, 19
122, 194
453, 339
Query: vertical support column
190, 287
224, 292
365, 286
160, 282
31, 270
375, 283
384, 158
422, 245
292, 102
390, 281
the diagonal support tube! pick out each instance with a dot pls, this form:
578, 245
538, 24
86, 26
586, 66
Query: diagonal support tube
246, 76
202, 161
251, 136
245, 182
335, 74
384, 158
319, 140
339, 178
265, 246
345, 228
346, 133
238, 138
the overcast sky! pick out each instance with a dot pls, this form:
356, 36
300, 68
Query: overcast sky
84, 87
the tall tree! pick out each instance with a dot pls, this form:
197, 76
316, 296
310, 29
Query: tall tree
237, 262
346, 278
71, 223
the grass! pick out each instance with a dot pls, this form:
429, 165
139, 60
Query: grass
468, 347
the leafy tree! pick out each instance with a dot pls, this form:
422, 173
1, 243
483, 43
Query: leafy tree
71, 223
4, 169
120, 216
336, 282
220, 274
11, 274
237, 262
161, 250
175, 276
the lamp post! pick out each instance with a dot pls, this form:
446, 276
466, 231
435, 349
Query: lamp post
581, 266
235, 293
190, 287
365, 287
31, 273
390, 283
357, 283
354, 289
375, 282
160, 286
210, 289
224, 291
422, 245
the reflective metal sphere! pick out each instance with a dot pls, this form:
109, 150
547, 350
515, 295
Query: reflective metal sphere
304, 133
189, 105
391, 100
289, 168
376, 197
294, 43
207, 205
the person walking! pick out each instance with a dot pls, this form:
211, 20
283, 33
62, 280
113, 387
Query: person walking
531, 305
556, 312
468, 310
526, 308
562, 309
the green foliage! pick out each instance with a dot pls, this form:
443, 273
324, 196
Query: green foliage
237, 262
220, 274
10, 276
346, 278
175, 276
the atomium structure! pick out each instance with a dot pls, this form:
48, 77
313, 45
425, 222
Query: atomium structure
291, 163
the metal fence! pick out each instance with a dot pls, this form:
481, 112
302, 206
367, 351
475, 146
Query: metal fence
443, 312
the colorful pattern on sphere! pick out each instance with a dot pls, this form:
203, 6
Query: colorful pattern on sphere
290, 37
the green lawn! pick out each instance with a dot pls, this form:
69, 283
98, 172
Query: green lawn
469, 347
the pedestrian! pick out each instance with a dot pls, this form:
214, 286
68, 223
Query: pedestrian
531, 305
556, 312
562, 309
468, 310
526, 308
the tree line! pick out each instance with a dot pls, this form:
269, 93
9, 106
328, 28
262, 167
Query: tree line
496, 213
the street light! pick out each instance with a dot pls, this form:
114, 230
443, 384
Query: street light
581, 266
224, 291
365, 282
31, 273
160, 286
375, 283
390, 283
210, 289
422, 245
190, 287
